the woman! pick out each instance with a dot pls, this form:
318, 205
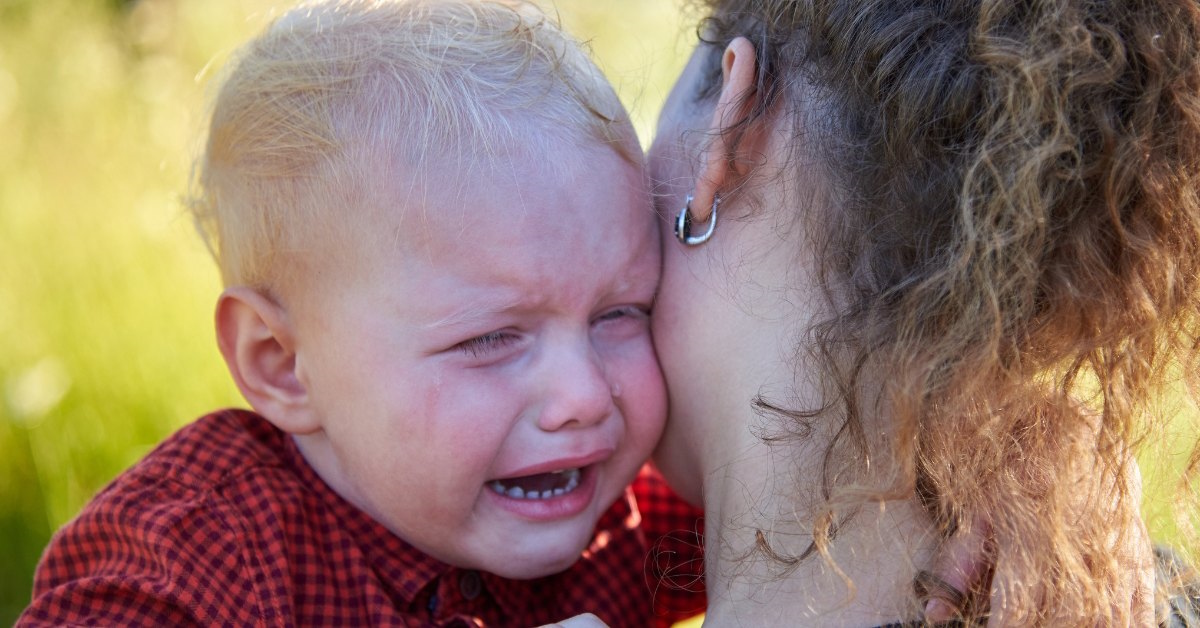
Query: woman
928, 266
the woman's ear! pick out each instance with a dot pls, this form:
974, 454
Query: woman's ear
733, 151
258, 345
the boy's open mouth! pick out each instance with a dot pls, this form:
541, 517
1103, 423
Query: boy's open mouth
539, 485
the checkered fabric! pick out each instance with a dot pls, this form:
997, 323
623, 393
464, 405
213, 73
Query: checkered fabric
225, 524
674, 569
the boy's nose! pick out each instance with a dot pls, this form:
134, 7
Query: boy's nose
579, 393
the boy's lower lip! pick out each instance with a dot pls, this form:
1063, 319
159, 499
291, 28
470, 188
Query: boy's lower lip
557, 507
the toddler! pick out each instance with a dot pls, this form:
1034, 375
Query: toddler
439, 258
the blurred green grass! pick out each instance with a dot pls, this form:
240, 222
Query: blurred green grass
106, 294
106, 341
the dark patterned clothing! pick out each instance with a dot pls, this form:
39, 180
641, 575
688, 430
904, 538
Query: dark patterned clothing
226, 524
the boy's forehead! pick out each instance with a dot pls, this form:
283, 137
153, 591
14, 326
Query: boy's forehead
506, 220
420, 202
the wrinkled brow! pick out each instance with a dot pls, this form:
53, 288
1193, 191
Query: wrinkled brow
481, 310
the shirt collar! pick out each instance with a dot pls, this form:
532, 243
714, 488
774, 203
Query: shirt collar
403, 569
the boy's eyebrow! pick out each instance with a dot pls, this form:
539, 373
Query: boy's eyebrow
479, 311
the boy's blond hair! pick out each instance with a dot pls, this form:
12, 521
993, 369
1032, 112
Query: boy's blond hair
332, 89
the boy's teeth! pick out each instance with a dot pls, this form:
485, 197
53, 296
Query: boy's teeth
516, 492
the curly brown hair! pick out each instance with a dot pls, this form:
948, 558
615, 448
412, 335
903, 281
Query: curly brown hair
1017, 242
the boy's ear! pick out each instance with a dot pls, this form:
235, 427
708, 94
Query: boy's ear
733, 151
258, 345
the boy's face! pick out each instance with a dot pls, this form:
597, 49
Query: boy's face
498, 348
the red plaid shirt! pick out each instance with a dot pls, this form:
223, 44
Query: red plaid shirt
225, 523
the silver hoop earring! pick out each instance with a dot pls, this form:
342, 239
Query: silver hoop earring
683, 223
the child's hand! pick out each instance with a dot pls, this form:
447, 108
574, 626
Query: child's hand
586, 620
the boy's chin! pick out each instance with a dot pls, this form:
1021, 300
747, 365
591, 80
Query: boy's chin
536, 567
541, 550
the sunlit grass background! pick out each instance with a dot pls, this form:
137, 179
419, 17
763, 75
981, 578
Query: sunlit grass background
106, 295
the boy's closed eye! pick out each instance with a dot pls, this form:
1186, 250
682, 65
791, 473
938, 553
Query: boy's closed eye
636, 312
622, 322
486, 343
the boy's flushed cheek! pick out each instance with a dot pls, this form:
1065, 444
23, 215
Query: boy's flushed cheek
646, 364
644, 394
486, 389
472, 406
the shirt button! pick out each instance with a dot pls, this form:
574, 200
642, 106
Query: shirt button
470, 584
